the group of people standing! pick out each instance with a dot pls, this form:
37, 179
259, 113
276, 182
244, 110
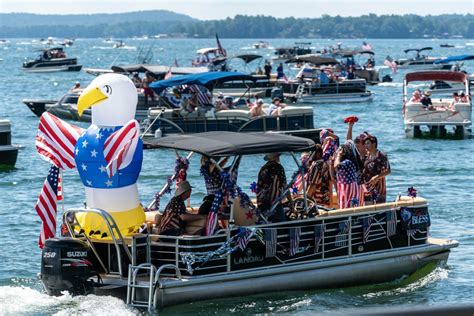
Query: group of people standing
356, 169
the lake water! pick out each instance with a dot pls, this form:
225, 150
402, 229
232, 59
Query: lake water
441, 171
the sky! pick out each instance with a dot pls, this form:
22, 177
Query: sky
220, 9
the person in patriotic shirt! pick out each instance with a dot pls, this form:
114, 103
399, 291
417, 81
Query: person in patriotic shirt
348, 167
376, 168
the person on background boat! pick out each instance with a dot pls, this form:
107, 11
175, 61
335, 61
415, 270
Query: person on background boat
76, 87
348, 167
275, 108
257, 109
350, 72
463, 98
147, 91
270, 185
268, 70
426, 101
456, 99
175, 216
376, 168
280, 73
416, 96
137, 81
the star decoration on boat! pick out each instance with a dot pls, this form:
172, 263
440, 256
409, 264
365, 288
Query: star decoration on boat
102, 168
93, 153
108, 183
85, 143
84, 167
249, 214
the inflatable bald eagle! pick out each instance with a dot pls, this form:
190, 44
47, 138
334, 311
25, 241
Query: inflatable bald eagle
108, 155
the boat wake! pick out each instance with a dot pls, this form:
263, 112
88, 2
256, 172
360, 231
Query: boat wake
412, 283
25, 300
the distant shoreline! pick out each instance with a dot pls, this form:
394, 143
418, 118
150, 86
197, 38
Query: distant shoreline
174, 25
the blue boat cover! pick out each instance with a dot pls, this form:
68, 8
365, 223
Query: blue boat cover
207, 79
454, 58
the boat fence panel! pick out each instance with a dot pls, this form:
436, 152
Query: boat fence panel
286, 243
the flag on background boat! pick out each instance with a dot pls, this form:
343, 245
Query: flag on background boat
46, 206
319, 231
391, 220
366, 225
341, 238
270, 237
389, 62
212, 217
295, 234
203, 96
221, 49
366, 46
168, 75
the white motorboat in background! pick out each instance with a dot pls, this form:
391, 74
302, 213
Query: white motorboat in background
444, 115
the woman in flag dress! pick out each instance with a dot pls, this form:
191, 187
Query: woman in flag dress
348, 167
376, 168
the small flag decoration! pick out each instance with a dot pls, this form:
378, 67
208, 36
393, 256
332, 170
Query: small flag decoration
243, 238
366, 225
212, 217
270, 238
391, 220
319, 231
295, 234
341, 238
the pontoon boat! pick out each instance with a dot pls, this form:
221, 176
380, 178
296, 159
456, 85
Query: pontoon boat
330, 248
419, 61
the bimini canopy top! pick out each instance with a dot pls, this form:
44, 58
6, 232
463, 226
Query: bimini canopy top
417, 49
315, 59
159, 69
220, 144
207, 79
454, 59
435, 75
248, 58
350, 53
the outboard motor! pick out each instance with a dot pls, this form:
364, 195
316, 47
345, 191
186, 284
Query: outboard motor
387, 78
277, 92
66, 266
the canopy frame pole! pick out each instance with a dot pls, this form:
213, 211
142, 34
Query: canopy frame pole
303, 181
166, 186
231, 216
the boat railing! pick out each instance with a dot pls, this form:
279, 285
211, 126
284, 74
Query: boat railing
114, 233
335, 243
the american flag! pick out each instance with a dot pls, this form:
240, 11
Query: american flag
117, 146
220, 49
295, 234
347, 185
329, 149
319, 231
366, 224
341, 238
212, 217
55, 143
203, 96
270, 237
56, 140
366, 46
46, 205
391, 219
244, 237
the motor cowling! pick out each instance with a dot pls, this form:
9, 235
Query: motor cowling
66, 266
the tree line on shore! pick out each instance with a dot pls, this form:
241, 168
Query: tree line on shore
243, 26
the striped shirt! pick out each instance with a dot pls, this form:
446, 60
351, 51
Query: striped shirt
270, 185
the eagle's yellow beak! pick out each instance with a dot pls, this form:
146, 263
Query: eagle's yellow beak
89, 98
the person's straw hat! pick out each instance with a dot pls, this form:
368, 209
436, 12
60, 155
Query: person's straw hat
183, 187
271, 156
427, 93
